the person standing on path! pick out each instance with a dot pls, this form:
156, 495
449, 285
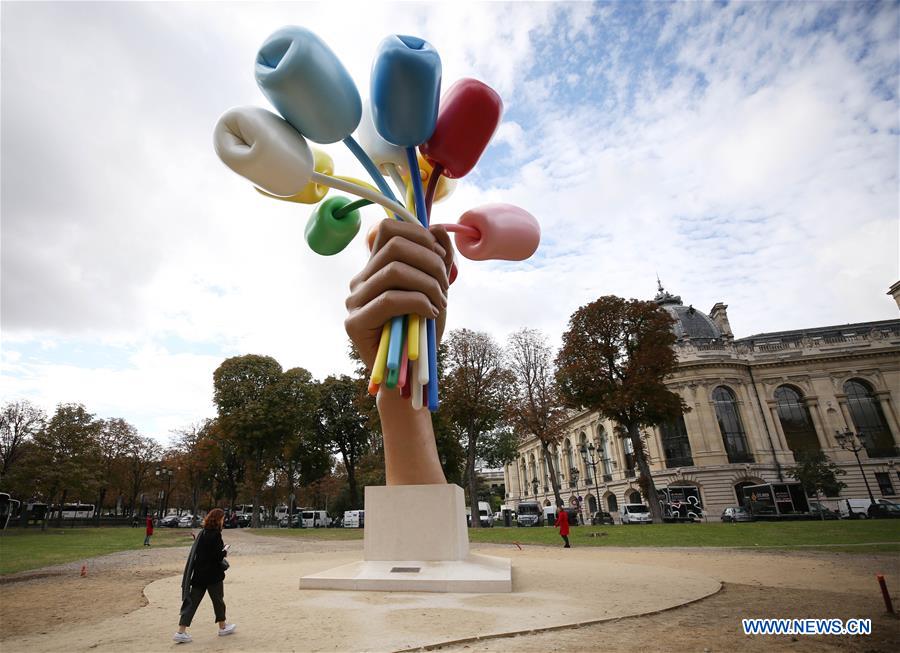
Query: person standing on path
204, 573
562, 523
149, 532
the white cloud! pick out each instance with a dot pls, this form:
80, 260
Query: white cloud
755, 163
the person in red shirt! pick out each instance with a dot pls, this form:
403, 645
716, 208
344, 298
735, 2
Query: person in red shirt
562, 523
149, 532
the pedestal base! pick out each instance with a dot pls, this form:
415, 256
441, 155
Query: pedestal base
477, 573
416, 540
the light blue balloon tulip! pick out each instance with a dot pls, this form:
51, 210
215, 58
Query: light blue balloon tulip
406, 90
308, 84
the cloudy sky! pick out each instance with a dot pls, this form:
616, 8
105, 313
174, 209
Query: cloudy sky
745, 152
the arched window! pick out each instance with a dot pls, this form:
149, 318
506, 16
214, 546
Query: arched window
675, 443
795, 421
733, 435
630, 462
592, 503
868, 419
634, 497
611, 503
534, 476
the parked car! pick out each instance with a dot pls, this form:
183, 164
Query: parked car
187, 521
819, 511
735, 514
884, 509
354, 519
296, 521
600, 517
528, 514
169, 521
636, 513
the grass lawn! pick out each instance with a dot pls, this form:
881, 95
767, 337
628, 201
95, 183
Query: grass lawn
864, 536
22, 549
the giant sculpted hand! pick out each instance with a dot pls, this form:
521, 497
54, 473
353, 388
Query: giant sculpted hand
407, 273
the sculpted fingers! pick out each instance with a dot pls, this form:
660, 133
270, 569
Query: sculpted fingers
387, 305
397, 275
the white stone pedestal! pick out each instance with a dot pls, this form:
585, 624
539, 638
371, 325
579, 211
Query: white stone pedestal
416, 539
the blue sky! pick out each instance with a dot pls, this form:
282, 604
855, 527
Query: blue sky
745, 152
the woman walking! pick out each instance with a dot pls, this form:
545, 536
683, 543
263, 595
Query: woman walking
204, 573
562, 523
149, 532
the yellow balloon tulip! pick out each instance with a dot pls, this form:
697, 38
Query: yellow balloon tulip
312, 193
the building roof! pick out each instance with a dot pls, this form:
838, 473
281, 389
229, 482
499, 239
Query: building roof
690, 324
839, 331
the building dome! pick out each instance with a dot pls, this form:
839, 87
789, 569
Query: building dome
690, 324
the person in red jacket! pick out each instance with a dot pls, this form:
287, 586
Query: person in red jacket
149, 531
562, 523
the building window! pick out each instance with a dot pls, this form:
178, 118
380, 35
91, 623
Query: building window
884, 484
733, 435
634, 497
675, 443
582, 446
592, 504
796, 422
612, 504
628, 446
868, 419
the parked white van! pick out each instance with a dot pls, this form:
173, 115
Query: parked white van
486, 517
636, 513
854, 508
314, 518
354, 518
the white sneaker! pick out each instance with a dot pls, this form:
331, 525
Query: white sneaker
181, 638
227, 630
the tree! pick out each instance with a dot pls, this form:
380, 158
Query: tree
818, 475
193, 452
243, 393
614, 358
114, 437
140, 456
536, 408
19, 421
67, 451
476, 389
342, 425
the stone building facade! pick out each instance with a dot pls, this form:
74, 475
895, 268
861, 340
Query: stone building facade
755, 403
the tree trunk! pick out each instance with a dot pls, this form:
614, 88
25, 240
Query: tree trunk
472, 482
62, 502
554, 479
647, 484
102, 498
351, 482
254, 521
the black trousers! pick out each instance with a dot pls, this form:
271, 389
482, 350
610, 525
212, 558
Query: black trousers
566, 540
190, 604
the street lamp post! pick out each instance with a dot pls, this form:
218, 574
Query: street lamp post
164, 473
850, 441
591, 456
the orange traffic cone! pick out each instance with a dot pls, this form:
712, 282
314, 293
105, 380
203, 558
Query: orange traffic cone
83, 571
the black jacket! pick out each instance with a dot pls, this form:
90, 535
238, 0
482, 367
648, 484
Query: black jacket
207, 567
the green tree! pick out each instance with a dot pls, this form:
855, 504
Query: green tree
243, 388
818, 475
141, 455
114, 438
19, 422
614, 359
67, 451
342, 425
476, 393
536, 408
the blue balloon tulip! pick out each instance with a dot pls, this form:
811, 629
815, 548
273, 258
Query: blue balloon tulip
406, 90
308, 84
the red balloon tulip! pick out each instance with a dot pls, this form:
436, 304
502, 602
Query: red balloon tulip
468, 117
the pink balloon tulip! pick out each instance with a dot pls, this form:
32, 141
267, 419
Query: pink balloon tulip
497, 231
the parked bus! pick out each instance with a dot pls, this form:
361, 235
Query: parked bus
73, 511
8, 508
775, 501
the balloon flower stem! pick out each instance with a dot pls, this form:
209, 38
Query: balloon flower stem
463, 229
349, 208
433, 180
